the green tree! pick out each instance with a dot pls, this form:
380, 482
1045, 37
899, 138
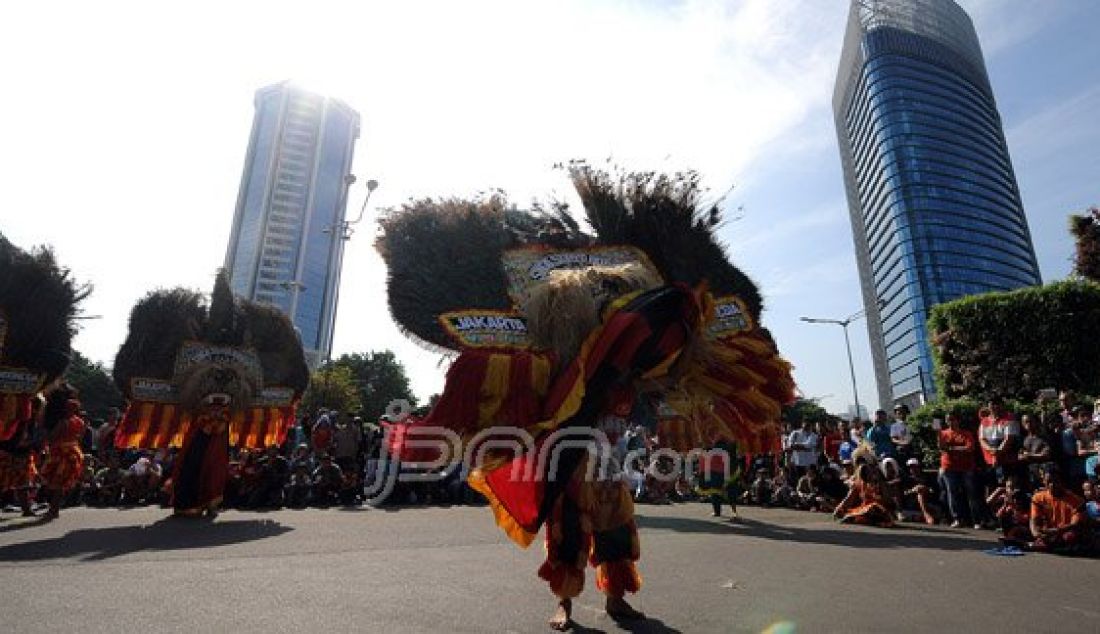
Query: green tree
331, 387
1086, 232
97, 390
379, 378
804, 409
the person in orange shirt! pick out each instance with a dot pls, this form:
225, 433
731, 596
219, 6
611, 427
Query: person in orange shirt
957, 468
1058, 519
64, 429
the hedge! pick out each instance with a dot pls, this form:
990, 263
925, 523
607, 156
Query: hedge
1014, 344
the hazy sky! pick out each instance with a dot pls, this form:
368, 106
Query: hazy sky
124, 129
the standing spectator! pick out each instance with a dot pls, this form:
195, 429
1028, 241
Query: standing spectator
805, 445
1000, 439
831, 438
1085, 465
899, 432
957, 466
855, 431
1036, 452
879, 437
105, 434
1058, 519
1067, 400
321, 433
346, 440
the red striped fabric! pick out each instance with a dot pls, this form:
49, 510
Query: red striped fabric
148, 425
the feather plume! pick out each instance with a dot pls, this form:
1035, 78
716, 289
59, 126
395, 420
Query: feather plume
40, 302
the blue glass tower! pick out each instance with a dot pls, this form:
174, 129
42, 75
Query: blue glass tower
286, 246
934, 205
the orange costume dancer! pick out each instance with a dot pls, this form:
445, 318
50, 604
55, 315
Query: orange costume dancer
39, 301
557, 330
65, 464
18, 469
204, 377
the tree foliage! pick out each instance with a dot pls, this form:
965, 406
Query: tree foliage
378, 378
1015, 343
804, 409
1086, 232
331, 387
97, 390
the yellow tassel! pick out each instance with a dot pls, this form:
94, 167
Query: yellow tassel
494, 387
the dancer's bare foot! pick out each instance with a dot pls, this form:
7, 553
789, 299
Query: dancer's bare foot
563, 616
618, 609
928, 519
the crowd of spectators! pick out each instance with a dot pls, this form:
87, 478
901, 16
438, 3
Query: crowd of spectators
1032, 478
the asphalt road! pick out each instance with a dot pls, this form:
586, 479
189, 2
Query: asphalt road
451, 570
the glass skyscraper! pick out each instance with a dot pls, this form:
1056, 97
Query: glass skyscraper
286, 247
933, 200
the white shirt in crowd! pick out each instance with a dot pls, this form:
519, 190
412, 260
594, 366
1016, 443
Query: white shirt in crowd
899, 431
803, 457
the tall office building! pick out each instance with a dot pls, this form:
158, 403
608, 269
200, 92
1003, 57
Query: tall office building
935, 210
286, 248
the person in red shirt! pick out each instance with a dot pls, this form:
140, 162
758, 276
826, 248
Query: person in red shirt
1058, 519
831, 439
957, 465
999, 436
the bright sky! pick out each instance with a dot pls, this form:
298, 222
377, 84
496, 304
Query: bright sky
124, 130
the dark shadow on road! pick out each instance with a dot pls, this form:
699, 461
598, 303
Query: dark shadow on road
683, 525
91, 544
867, 538
912, 536
644, 626
21, 523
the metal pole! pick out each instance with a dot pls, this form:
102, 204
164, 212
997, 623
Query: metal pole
851, 368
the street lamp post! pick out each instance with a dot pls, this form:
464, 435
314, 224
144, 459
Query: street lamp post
345, 232
844, 323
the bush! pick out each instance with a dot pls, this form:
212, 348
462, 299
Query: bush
1015, 343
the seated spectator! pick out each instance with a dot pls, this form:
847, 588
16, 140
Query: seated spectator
760, 491
351, 491
273, 471
141, 482
108, 483
919, 490
831, 491
1092, 502
1010, 506
298, 488
782, 492
328, 480
1058, 520
866, 501
891, 484
807, 491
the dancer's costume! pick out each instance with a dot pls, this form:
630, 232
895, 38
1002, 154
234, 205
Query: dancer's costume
558, 331
38, 305
65, 428
205, 378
